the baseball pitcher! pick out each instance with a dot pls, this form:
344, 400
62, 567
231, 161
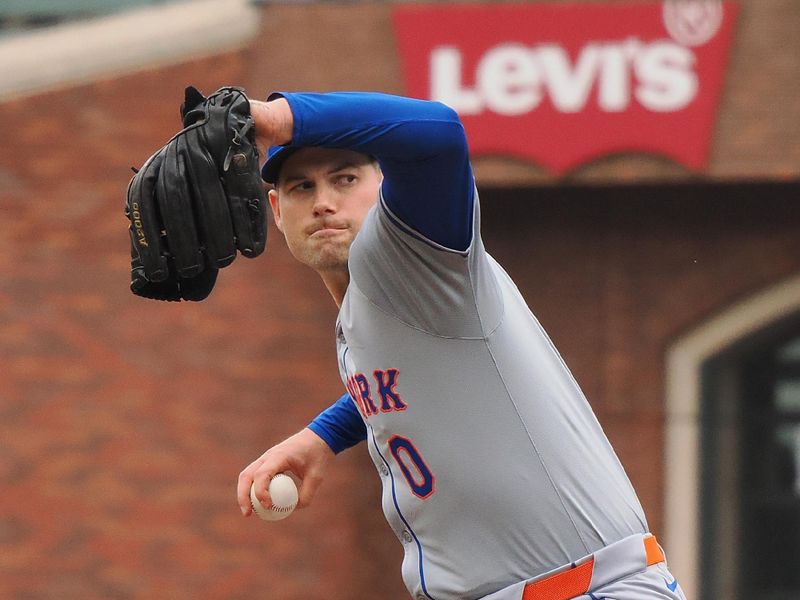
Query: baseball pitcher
497, 478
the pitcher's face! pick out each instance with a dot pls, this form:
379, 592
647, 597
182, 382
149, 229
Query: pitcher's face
321, 200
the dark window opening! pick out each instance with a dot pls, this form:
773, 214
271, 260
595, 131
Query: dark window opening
750, 535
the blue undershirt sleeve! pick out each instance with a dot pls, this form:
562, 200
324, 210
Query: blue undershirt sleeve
421, 148
340, 425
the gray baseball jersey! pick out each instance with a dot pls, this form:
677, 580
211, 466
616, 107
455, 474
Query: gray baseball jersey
494, 467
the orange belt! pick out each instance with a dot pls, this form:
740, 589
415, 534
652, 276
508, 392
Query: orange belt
576, 581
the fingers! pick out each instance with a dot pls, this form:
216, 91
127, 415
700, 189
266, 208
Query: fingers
242, 180
304, 454
193, 99
248, 202
146, 226
199, 287
257, 474
261, 485
243, 488
243, 493
308, 488
211, 206
175, 203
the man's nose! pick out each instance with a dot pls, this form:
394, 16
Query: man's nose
324, 202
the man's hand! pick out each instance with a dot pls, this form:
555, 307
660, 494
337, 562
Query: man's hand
197, 200
305, 454
274, 123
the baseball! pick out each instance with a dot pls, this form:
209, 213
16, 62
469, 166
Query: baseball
283, 492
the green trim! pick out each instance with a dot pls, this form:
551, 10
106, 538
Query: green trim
68, 9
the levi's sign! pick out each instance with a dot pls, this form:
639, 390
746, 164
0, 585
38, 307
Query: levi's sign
562, 84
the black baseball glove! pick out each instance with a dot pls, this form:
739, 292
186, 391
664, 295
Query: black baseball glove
197, 200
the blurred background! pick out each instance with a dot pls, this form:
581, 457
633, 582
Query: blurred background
671, 289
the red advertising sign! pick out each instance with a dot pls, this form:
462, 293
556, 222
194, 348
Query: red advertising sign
562, 84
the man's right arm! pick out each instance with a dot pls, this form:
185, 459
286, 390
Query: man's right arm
306, 454
340, 425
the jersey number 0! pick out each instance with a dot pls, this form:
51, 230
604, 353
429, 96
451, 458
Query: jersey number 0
417, 474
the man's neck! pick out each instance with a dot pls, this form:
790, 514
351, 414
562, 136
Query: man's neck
336, 282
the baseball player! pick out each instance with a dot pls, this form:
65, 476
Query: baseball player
497, 478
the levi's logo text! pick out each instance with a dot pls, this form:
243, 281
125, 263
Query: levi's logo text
376, 394
563, 84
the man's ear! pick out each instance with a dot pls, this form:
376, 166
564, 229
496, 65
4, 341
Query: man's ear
272, 195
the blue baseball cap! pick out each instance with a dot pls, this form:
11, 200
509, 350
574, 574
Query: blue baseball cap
276, 156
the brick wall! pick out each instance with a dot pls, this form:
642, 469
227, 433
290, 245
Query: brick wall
125, 422
757, 135
615, 275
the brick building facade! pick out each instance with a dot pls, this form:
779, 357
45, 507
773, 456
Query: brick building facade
125, 423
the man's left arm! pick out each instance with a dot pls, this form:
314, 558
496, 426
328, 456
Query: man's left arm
420, 145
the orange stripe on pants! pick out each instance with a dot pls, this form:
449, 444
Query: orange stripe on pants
577, 580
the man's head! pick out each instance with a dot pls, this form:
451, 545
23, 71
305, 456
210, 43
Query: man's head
321, 197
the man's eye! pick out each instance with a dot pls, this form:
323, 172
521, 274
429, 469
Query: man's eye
346, 178
302, 186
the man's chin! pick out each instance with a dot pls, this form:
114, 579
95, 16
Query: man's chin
329, 261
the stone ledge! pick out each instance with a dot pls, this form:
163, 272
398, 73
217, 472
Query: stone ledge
75, 53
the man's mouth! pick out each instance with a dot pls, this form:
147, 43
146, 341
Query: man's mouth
327, 232
328, 229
